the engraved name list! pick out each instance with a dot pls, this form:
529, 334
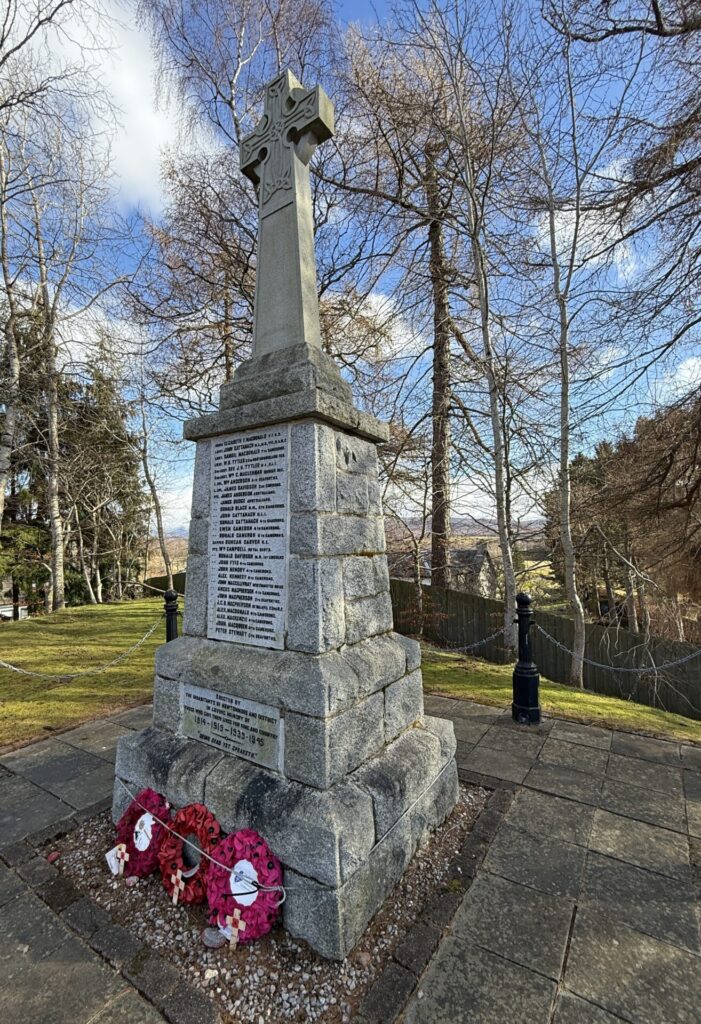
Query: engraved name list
248, 538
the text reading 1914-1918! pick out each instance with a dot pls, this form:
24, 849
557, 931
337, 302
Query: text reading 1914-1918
248, 538
232, 724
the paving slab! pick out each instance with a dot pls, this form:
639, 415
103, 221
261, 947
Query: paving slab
692, 789
691, 756
544, 814
497, 763
542, 728
30, 931
630, 974
647, 846
53, 762
643, 804
441, 707
523, 744
648, 774
68, 986
129, 1008
99, 738
479, 712
135, 718
469, 730
566, 782
590, 760
646, 748
86, 789
26, 808
543, 863
466, 983
516, 922
571, 1009
587, 735
10, 885
657, 905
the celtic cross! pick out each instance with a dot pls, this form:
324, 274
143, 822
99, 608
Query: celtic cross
275, 156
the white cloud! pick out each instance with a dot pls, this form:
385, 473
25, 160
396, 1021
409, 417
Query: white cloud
683, 379
146, 127
176, 500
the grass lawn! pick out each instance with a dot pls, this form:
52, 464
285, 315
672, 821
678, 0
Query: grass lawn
71, 641
78, 638
455, 675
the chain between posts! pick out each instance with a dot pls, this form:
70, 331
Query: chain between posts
90, 671
479, 643
622, 668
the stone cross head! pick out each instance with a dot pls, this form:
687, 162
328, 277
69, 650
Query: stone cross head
275, 156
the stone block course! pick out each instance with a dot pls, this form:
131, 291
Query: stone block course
403, 704
398, 778
365, 576
333, 919
368, 616
315, 617
312, 468
195, 612
355, 455
333, 535
324, 834
201, 481
352, 493
322, 751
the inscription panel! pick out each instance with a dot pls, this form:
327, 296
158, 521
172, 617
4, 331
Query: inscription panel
249, 537
233, 725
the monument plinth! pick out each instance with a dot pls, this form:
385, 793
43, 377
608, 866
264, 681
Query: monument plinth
289, 705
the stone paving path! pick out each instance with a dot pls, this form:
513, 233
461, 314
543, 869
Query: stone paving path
585, 909
47, 974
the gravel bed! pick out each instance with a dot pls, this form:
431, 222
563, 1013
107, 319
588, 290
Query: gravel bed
277, 979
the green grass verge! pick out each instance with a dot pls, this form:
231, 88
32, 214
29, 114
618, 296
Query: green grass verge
455, 675
78, 638
71, 641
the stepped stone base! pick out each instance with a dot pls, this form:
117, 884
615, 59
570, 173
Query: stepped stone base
349, 774
343, 848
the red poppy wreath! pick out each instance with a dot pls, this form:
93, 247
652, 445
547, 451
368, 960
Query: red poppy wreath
238, 887
139, 833
182, 883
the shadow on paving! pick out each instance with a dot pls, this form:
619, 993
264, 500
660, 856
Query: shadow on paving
583, 910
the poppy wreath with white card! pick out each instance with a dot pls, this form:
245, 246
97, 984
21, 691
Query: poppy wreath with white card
184, 881
244, 887
139, 833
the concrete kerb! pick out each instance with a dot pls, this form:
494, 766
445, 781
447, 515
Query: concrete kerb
389, 994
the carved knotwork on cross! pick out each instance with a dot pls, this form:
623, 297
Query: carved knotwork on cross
294, 122
275, 156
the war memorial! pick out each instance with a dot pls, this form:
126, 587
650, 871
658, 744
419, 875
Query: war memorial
289, 705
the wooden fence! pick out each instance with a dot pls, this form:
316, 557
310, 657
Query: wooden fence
456, 619
161, 583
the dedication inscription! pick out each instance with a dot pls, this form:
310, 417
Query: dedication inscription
232, 725
248, 538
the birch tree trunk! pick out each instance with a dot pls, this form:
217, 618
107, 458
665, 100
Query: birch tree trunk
440, 452
53, 485
151, 483
11, 372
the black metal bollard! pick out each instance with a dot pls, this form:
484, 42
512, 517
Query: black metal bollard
171, 603
526, 707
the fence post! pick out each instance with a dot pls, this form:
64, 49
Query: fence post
525, 708
171, 605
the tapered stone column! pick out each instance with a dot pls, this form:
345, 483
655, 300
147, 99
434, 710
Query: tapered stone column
289, 705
